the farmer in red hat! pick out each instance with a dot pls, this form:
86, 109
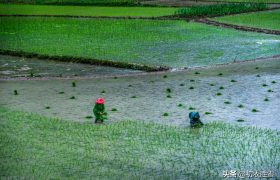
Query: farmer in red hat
99, 110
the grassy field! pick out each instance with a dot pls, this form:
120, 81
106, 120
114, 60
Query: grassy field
266, 20
33, 146
11, 9
169, 43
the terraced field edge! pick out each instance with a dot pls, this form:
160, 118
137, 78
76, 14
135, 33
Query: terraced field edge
237, 27
91, 61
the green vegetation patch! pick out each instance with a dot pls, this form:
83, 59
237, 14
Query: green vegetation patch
219, 9
33, 146
149, 42
264, 20
13, 9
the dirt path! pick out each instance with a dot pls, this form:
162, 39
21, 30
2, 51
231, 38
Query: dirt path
237, 27
145, 97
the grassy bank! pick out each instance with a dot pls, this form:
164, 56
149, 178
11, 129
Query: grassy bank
265, 20
13, 9
219, 10
33, 146
150, 42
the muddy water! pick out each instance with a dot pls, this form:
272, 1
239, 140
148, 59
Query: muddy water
151, 97
12, 67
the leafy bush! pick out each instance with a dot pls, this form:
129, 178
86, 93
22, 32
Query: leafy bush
219, 9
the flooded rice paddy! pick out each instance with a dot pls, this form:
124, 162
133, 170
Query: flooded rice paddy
18, 67
245, 93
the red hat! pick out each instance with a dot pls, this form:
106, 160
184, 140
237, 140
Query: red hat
99, 100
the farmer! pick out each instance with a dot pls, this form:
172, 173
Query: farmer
99, 110
194, 119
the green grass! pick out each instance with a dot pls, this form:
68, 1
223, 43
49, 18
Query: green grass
33, 146
150, 42
265, 20
12, 9
218, 10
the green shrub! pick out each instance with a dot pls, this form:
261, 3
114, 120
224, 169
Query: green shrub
165, 114
114, 109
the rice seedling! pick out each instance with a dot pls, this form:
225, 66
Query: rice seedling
115, 77
266, 99
72, 97
61, 92
182, 84
256, 20
15, 92
191, 108
85, 8
255, 110
164, 76
240, 106
114, 109
168, 96
73, 84
220, 74
221, 87
191, 87
31, 74
219, 9
219, 94
227, 102
165, 114
207, 113
88, 117
103, 91
211, 84
269, 90
168, 90
233, 80
197, 73
180, 105
129, 85
264, 85
130, 57
133, 97
47, 107
112, 151
240, 120
257, 68
258, 75
273, 82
